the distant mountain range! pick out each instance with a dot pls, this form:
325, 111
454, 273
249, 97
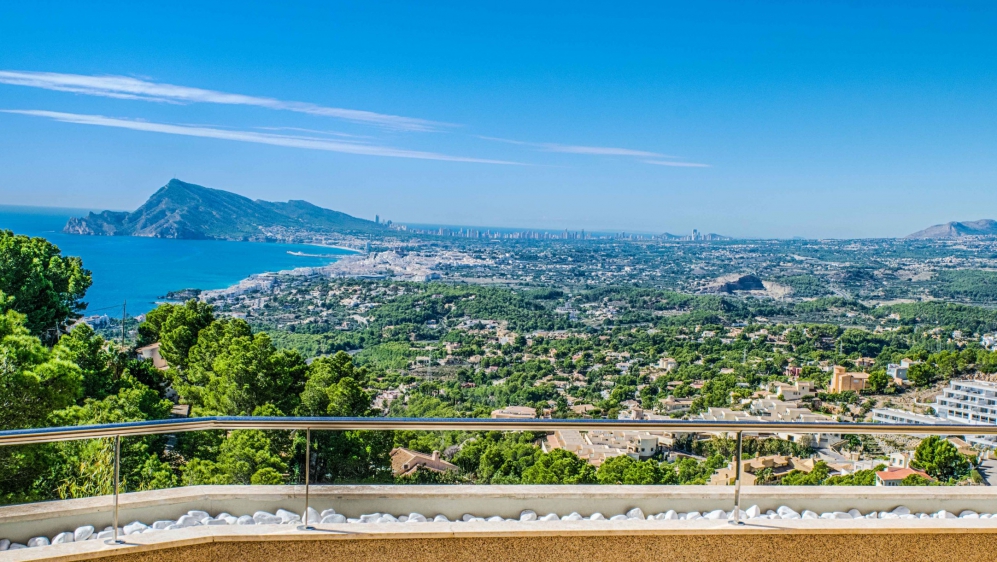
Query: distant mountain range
184, 210
983, 227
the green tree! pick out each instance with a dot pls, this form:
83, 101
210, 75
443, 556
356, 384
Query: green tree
149, 329
940, 459
83, 347
613, 470
81, 467
332, 389
179, 331
231, 371
815, 477
922, 374
559, 467
33, 383
37, 281
878, 381
915, 480
245, 457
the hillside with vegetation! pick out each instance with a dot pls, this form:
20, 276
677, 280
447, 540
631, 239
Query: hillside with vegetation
186, 210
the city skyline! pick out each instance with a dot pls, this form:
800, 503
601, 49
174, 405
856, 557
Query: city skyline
778, 121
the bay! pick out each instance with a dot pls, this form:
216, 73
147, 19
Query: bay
141, 270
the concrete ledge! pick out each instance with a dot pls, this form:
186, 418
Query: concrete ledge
882, 540
21, 522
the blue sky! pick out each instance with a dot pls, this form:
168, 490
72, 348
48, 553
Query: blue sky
774, 119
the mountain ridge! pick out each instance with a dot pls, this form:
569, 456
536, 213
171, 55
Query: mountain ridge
190, 211
957, 229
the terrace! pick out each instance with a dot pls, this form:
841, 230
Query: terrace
377, 522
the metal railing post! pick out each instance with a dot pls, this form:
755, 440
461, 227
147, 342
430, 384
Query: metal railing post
308, 464
737, 482
117, 482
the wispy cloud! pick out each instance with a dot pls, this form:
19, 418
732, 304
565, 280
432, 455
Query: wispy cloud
250, 136
676, 164
314, 132
125, 87
675, 161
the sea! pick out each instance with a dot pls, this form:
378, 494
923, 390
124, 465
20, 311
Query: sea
140, 271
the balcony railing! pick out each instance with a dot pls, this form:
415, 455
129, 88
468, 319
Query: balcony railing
160, 427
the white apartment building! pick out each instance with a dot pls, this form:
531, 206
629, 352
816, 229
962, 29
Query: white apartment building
970, 402
792, 392
892, 415
899, 372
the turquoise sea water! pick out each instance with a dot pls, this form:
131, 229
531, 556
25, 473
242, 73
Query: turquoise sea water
141, 270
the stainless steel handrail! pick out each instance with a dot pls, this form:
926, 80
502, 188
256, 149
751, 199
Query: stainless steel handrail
159, 427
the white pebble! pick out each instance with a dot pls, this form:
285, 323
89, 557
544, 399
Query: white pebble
216, 522
83, 533
495, 519
969, 514
16, 546
328, 512
986, 515
63, 538
671, 515
313, 515
38, 541
901, 510
245, 520
786, 512
416, 518
162, 524
135, 527
753, 512
105, 535
466, 517
198, 514
807, 514
334, 518
716, 515
636, 513
841, 515
742, 515
188, 521
4, 544
369, 517
923, 516
573, 516
527, 515
872, 515
693, 515
286, 516
352, 520
619, 517
854, 513
443, 518
597, 517
550, 517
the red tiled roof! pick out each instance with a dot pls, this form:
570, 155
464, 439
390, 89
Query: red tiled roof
897, 473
